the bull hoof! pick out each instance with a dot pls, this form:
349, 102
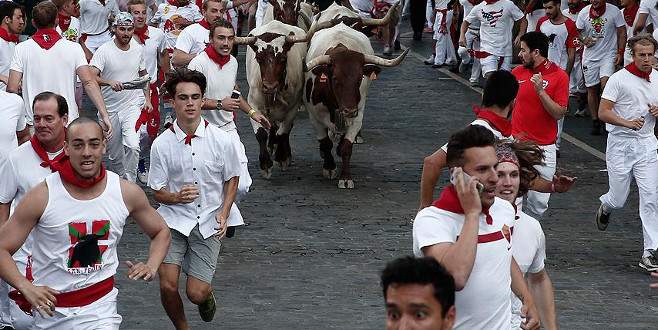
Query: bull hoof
284, 165
345, 184
358, 140
266, 174
329, 174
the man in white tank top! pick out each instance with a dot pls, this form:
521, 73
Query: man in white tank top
26, 167
77, 217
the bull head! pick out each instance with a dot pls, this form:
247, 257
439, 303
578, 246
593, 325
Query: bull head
288, 13
271, 51
343, 69
364, 24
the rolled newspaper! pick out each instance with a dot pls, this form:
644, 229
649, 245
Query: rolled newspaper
138, 83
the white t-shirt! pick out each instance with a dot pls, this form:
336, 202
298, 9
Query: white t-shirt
632, 95
484, 303
560, 37
220, 85
13, 120
649, 7
73, 32
123, 66
497, 20
153, 47
93, 15
6, 52
604, 30
166, 15
529, 251
485, 124
468, 6
61, 60
193, 39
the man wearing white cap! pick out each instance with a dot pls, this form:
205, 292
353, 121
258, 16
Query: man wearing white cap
117, 62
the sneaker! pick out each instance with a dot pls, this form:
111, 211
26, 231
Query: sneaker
387, 51
429, 60
474, 83
602, 218
650, 262
207, 308
596, 127
436, 66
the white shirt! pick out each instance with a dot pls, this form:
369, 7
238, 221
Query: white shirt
153, 47
123, 66
73, 32
13, 120
604, 30
93, 15
58, 261
560, 38
529, 251
632, 95
220, 85
210, 160
6, 53
61, 61
193, 39
21, 172
166, 15
484, 303
467, 10
497, 20
649, 7
485, 124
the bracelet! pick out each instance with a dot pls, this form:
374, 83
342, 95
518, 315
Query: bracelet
251, 113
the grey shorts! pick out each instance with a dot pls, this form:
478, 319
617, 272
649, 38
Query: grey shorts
195, 255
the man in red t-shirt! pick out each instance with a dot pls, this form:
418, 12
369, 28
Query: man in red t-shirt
541, 101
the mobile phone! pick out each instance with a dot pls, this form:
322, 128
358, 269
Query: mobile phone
465, 177
235, 94
230, 232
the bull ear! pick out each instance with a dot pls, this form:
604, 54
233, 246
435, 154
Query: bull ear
371, 71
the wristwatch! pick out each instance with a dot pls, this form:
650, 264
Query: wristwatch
219, 105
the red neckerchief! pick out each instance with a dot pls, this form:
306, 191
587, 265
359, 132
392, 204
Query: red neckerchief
215, 57
8, 37
596, 13
630, 13
189, 137
142, 34
46, 38
632, 68
449, 201
489, 2
503, 125
474, 2
205, 24
67, 173
545, 68
576, 10
43, 155
174, 3
63, 22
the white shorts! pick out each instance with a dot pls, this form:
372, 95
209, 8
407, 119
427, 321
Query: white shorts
593, 72
93, 42
491, 63
101, 314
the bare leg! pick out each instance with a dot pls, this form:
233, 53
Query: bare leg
169, 296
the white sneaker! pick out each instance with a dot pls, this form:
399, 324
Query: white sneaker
143, 177
429, 60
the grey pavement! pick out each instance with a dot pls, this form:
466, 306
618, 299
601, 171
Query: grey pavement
311, 255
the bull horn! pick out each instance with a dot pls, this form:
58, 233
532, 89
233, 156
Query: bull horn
244, 40
373, 59
381, 21
322, 59
312, 30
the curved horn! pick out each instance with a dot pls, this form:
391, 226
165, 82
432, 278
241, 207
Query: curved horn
312, 30
322, 59
244, 40
381, 21
374, 59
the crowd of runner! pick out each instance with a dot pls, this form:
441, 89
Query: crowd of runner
69, 181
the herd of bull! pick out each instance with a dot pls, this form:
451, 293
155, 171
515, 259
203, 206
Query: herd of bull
322, 62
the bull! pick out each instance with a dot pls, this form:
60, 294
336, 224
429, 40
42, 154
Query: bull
291, 12
275, 74
353, 20
340, 65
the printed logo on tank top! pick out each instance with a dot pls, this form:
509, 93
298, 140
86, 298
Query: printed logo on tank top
492, 17
597, 26
70, 34
86, 250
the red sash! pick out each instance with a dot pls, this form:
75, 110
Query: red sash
77, 298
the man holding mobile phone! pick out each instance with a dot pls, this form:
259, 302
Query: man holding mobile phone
470, 234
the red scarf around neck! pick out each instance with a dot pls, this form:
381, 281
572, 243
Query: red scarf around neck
142, 34
54, 163
503, 125
173, 3
489, 2
595, 13
205, 24
449, 201
577, 10
46, 38
630, 13
474, 2
8, 37
215, 57
632, 68
63, 22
